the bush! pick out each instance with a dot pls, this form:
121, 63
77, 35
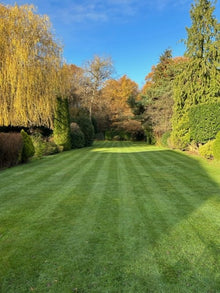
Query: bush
99, 136
216, 147
39, 145
51, 148
204, 120
77, 136
165, 139
193, 147
180, 136
11, 145
28, 147
87, 128
44, 147
206, 150
109, 134
62, 124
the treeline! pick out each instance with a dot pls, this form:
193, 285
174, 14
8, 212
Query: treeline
182, 95
60, 106
65, 106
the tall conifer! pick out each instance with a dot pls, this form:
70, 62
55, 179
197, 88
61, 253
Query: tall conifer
200, 81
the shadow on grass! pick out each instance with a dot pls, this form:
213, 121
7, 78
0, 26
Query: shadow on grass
139, 219
170, 208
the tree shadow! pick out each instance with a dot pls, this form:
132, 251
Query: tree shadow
139, 219
167, 218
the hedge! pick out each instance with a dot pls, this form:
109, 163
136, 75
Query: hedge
11, 145
216, 147
204, 120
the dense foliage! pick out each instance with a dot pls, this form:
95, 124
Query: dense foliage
87, 128
28, 147
43, 146
157, 94
216, 147
62, 124
199, 81
177, 107
206, 150
11, 145
30, 65
77, 136
204, 122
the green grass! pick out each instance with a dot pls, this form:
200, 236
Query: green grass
117, 217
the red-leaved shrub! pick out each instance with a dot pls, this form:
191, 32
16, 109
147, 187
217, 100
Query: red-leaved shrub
10, 149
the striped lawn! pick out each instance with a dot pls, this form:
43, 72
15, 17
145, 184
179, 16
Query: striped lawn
116, 217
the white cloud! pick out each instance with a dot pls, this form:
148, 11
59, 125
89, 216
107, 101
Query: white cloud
96, 10
100, 11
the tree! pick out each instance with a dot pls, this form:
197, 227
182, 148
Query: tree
96, 72
116, 94
30, 62
199, 82
87, 128
62, 124
157, 94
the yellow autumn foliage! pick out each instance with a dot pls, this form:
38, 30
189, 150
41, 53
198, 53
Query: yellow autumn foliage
30, 67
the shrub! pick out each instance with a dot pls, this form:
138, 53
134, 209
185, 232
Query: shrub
99, 136
109, 134
117, 138
165, 139
77, 136
11, 145
44, 147
87, 128
62, 124
51, 148
204, 120
180, 136
193, 147
206, 150
39, 145
216, 147
28, 147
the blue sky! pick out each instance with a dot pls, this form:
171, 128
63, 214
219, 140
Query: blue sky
133, 32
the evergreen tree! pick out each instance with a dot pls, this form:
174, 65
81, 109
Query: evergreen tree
62, 124
200, 80
158, 93
28, 147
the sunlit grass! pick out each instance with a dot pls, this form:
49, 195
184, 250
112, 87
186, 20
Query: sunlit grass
126, 147
117, 217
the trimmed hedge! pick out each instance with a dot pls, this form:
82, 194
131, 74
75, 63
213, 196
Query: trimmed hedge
11, 145
216, 147
204, 120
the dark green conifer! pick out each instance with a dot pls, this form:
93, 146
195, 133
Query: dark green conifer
62, 124
200, 80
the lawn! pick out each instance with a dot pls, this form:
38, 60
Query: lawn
116, 217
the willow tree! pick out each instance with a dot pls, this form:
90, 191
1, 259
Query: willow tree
200, 80
30, 61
